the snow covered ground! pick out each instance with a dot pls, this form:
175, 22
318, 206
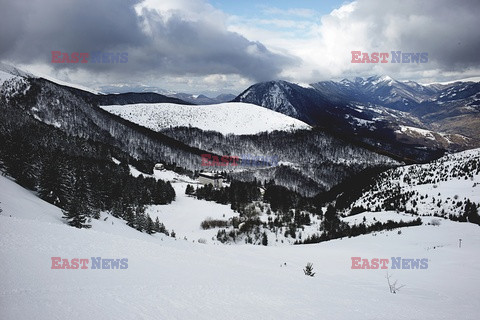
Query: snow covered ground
226, 118
177, 279
9, 71
441, 187
4, 76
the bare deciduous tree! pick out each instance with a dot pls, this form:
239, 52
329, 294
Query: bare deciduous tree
394, 288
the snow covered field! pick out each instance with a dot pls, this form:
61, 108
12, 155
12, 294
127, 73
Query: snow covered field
226, 118
177, 279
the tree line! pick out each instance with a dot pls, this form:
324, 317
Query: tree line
77, 174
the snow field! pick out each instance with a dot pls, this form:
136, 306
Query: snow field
226, 118
177, 279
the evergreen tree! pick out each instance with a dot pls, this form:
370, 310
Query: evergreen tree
471, 211
157, 225
140, 218
264, 239
149, 226
331, 220
21, 157
49, 184
160, 227
77, 209
118, 210
129, 216
309, 270
189, 190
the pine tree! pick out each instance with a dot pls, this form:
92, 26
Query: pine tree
140, 218
77, 208
50, 181
331, 221
118, 209
160, 227
74, 213
309, 270
189, 190
157, 225
150, 226
264, 239
129, 216
471, 212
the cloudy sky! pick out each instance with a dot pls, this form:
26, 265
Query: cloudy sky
223, 46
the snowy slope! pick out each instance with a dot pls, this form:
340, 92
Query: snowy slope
175, 279
439, 139
4, 76
65, 83
438, 188
8, 71
226, 118
186, 213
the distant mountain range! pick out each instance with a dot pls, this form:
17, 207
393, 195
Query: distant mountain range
202, 99
380, 108
187, 97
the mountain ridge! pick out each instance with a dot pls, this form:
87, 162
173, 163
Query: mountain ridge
378, 106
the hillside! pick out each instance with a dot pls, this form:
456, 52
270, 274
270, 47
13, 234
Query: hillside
226, 118
168, 278
440, 188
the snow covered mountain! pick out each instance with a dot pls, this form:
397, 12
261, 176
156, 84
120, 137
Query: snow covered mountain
226, 118
373, 109
287, 98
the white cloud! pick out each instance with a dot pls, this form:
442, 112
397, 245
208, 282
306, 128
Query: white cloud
443, 29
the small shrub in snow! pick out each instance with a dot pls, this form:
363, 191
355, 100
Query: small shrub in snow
309, 270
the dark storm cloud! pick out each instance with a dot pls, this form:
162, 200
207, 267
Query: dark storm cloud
30, 31
183, 46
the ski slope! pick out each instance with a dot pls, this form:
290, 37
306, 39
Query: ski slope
177, 279
226, 118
